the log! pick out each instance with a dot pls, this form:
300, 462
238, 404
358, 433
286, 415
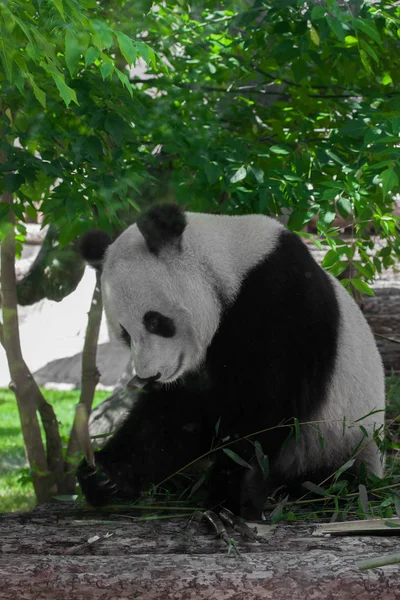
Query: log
45, 555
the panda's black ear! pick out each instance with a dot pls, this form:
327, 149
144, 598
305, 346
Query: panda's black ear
162, 225
93, 246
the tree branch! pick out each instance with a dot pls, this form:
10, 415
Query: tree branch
252, 89
90, 374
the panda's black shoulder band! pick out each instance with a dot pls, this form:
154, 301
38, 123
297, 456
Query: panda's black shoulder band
161, 225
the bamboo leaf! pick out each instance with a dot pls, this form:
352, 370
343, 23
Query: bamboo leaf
363, 497
316, 489
236, 458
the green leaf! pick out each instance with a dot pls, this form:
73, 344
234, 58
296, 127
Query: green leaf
91, 55
351, 40
330, 259
212, 171
314, 36
4, 210
66, 93
365, 61
297, 220
72, 51
344, 468
353, 127
327, 216
368, 27
338, 268
13, 182
125, 81
318, 12
362, 269
386, 79
335, 157
344, 206
258, 173
236, 458
6, 59
365, 46
127, 47
290, 177
336, 27
239, 175
389, 181
362, 287
59, 6
363, 497
103, 37
106, 69
312, 487
279, 150
115, 126
147, 54
262, 459
39, 94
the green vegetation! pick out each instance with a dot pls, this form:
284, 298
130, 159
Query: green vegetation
16, 491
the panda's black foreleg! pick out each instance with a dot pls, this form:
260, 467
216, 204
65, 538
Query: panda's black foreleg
97, 484
162, 432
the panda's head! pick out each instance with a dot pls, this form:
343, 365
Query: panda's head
157, 292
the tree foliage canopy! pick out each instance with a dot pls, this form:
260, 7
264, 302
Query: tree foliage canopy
240, 107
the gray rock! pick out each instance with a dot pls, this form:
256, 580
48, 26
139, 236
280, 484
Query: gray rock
112, 360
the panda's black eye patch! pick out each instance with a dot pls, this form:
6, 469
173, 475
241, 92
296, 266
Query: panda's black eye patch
125, 336
159, 324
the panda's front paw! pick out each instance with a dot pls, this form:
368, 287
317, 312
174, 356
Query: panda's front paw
96, 484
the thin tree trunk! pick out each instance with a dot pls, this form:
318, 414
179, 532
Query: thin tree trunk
47, 471
90, 375
22, 382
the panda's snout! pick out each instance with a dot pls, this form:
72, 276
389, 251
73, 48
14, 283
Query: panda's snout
143, 380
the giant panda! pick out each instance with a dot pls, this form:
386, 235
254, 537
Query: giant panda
230, 321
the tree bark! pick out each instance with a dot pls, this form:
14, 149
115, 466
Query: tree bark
47, 471
90, 376
22, 382
55, 554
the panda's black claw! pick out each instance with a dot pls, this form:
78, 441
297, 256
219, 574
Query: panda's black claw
238, 524
96, 485
216, 521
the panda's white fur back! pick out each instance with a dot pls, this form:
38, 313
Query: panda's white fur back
232, 244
